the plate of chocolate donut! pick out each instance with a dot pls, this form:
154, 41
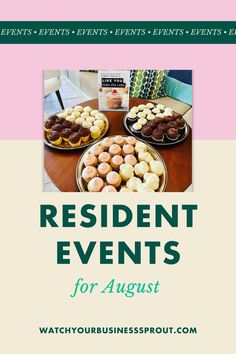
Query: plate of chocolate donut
156, 124
75, 128
121, 164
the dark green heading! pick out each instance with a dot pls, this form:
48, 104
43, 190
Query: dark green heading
118, 32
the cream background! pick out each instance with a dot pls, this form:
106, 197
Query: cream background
198, 291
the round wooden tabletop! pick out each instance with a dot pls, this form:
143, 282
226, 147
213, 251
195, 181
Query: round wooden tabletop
61, 165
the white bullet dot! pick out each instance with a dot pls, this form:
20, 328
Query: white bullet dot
225, 32
186, 31
149, 31
111, 32
35, 31
73, 31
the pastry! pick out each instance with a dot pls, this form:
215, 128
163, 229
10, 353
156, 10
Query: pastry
95, 184
150, 117
152, 180
75, 127
136, 127
78, 108
55, 138
124, 189
126, 171
90, 160
150, 105
70, 119
113, 178
132, 116
172, 134
103, 169
160, 115
157, 135
181, 123
156, 167
113, 100
109, 189
162, 127
65, 134
141, 107
116, 161
130, 160
96, 150
104, 157
145, 156
141, 115
140, 169
88, 173
75, 140
114, 149
95, 132
80, 120
153, 124
119, 139
147, 111
90, 119
48, 125
67, 124
99, 123
160, 106
84, 115
142, 121
131, 140
87, 124
134, 109
172, 124
132, 183
146, 131
84, 133
57, 127
59, 120
107, 142
156, 110
75, 114
127, 149
53, 117
99, 116
140, 146
143, 187
68, 111
94, 112
87, 109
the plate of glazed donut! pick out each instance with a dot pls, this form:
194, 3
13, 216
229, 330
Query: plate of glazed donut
121, 163
75, 128
156, 124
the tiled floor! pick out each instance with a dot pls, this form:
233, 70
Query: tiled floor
71, 95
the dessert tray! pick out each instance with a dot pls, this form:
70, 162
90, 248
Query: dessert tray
121, 164
156, 124
75, 128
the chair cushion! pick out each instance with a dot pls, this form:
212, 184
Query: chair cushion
147, 84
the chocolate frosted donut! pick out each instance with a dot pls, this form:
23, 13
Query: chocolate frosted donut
53, 117
66, 133
152, 124
49, 124
59, 120
172, 133
170, 118
157, 134
162, 127
161, 120
180, 122
53, 136
67, 124
147, 130
74, 138
84, 131
75, 127
57, 127
172, 124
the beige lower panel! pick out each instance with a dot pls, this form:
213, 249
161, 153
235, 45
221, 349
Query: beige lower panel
198, 291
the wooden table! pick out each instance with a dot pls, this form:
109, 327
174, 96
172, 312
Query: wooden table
61, 165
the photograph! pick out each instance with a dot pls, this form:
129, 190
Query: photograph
117, 131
